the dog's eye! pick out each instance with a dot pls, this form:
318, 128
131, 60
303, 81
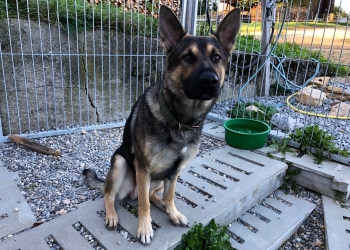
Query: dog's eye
188, 58
216, 57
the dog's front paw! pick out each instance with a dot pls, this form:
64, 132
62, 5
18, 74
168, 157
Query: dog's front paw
111, 220
145, 231
177, 218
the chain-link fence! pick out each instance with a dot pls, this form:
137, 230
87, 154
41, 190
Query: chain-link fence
73, 64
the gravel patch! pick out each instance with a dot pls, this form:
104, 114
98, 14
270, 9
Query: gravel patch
53, 186
311, 234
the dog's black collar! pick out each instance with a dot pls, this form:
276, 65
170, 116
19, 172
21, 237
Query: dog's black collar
168, 116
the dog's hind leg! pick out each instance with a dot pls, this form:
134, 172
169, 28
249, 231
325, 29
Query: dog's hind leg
176, 217
157, 187
118, 183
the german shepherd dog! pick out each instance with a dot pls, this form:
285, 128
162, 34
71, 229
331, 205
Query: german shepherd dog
163, 131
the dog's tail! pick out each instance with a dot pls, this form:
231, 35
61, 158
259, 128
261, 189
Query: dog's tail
93, 181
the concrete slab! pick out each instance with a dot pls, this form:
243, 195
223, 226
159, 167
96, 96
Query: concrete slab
11, 199
270, 235
269, 229
203, 201
329, 178
214, 129
337, 223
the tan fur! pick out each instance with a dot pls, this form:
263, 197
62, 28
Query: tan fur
157, 187
143, 179
119, 184
169, 190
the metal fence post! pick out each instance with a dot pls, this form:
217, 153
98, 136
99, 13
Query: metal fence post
1, 133
265, 47
189, 16
183, 12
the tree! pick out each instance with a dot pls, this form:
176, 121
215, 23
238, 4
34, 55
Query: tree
340, 12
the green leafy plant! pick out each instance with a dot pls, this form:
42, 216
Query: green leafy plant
270, 155
289, 185
282, 145
135, 210
312, 137
203, 28
276, 90
152, 5
239, 111
211, 237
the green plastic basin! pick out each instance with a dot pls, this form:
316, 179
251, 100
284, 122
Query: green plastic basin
246, 133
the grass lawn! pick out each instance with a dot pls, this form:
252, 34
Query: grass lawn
250, 28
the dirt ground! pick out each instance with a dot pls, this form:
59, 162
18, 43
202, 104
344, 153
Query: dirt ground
337, 55
334, 44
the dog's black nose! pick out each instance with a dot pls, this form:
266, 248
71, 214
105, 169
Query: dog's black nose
209, 78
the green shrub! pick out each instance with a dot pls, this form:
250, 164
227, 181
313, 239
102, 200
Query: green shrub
211, 237
79, 15
318, 139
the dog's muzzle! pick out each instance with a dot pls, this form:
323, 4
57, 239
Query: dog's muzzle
204, 86
209, 79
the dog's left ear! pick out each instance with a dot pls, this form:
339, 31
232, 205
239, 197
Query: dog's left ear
170, 29
228, 30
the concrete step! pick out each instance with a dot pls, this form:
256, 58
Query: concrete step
274, 220
11, 199
329, 178
337, 223
222, 185
270, 223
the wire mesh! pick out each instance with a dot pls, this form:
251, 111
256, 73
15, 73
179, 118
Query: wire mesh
308, 43
72, 64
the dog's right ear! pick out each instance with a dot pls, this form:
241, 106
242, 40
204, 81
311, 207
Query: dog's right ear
228, 30
170, 29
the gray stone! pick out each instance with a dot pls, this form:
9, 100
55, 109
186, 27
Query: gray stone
311, 97
285, 122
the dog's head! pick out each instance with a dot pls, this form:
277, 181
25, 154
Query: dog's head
197, 65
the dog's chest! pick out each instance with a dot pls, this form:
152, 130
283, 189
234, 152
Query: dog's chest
169, 161
183, 151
